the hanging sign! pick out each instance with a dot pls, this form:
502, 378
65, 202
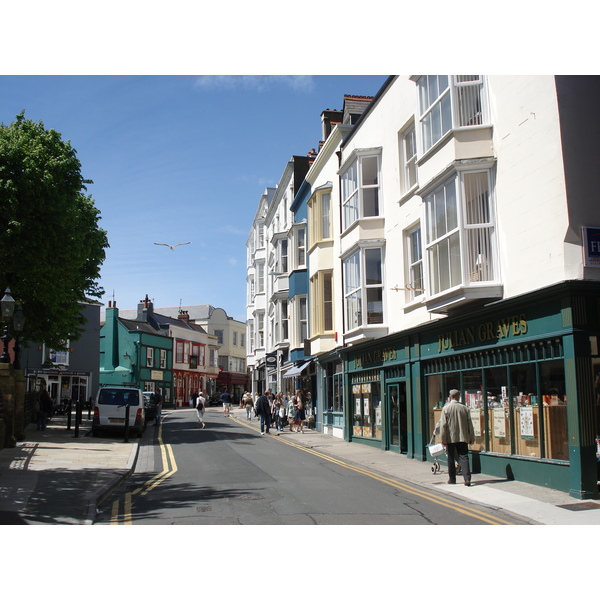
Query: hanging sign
591, 246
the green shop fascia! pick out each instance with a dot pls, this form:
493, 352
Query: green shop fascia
528, 368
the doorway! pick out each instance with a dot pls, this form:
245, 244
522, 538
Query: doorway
397, 431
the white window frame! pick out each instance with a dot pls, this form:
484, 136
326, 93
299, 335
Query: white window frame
414, 263
302, 319
298, 247
321, 303
283, 321
251, 336
449, 102
319, 216
260, 272
461, 249
251, 289
58, 357
358, 292
409, 158
356, 191
149, 357
283, 256
260, 329
261, 236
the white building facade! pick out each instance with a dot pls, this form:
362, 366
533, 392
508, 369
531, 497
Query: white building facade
452, 243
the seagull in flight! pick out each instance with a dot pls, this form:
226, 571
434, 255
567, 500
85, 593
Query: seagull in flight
173, 246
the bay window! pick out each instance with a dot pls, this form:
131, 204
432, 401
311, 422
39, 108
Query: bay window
448, 102
303, 319
319, 216
260, 268
460, 232
321, 294
363, 288
360, 189
260, 329
297, 251
283, 256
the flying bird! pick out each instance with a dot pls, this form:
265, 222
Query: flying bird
174, 245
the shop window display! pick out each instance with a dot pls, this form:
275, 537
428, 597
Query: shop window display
520, 410
473, 397
438, 387
367, 418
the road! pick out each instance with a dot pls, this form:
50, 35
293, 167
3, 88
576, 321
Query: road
228, 474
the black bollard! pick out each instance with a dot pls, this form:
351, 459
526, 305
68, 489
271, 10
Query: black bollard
77, 418
126, 423
69, 408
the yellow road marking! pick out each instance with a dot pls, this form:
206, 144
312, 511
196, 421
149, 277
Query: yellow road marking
471, 512
169, 467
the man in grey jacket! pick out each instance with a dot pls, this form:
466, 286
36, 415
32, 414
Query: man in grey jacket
457, 433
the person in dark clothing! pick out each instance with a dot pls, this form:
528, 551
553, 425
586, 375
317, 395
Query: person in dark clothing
158, 400
263, 410
226, 400
45, 410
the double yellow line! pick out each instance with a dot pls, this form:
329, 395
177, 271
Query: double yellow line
395, 483
169, 468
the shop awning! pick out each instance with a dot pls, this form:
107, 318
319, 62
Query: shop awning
297, 370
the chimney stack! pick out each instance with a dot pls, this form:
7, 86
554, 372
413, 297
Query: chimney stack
145, 308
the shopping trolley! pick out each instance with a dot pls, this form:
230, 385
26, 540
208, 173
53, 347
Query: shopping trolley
436, 450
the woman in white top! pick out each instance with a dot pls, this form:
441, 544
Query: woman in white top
200, 404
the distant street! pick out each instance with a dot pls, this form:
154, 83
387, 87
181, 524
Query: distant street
228, 474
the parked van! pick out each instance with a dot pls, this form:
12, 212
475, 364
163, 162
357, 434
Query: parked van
110, 407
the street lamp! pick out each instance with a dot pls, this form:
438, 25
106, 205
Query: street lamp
8, 305
19, 325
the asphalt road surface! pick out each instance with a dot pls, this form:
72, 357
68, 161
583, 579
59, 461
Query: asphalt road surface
228, 474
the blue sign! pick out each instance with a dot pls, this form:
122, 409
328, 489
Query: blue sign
591, 246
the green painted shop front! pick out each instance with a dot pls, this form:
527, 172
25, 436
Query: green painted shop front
528, 369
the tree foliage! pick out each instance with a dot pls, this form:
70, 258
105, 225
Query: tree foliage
51, 246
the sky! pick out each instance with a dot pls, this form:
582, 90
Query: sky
177, 159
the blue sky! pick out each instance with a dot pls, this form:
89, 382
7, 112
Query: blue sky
180, 159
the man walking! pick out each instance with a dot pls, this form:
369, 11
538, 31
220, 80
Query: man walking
158, 400
226, 400
457, 433
263, 410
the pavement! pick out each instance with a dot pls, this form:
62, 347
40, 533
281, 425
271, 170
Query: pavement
53, 477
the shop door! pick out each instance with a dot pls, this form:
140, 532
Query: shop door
396, 398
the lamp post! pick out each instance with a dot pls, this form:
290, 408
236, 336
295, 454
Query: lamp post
19, 324
7, 305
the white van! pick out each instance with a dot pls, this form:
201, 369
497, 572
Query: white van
110, 406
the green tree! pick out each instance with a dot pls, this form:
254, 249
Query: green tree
51, 247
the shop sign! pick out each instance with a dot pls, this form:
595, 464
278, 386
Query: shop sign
156, 375
56, 371
591, 246
374, 357
488, 331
